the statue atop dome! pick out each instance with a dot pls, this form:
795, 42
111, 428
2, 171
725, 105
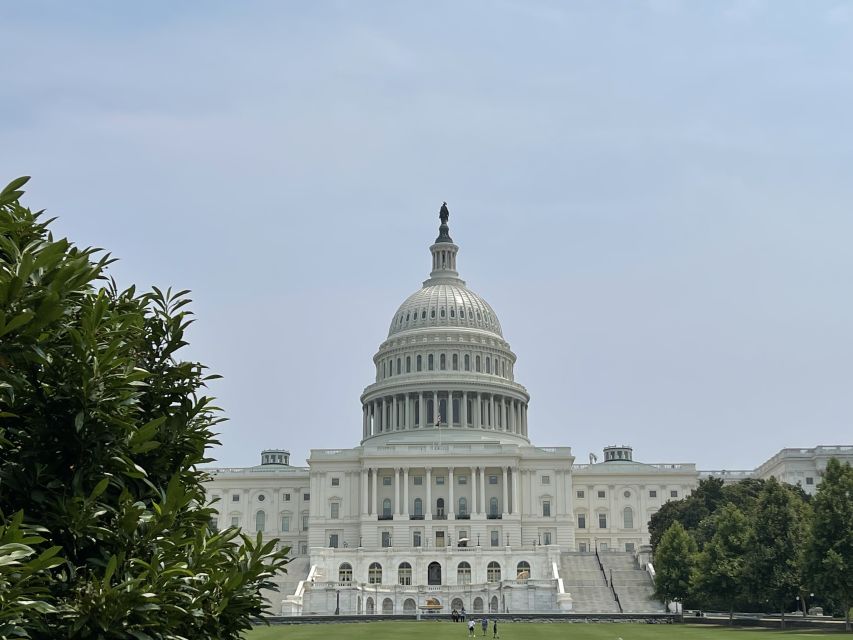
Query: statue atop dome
443, 229
444, 214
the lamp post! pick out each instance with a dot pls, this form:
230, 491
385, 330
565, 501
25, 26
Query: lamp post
337, 601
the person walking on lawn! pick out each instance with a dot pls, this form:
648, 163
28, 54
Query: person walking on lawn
485, 624
471, 628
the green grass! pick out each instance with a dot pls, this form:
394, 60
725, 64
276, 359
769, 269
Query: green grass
432, 630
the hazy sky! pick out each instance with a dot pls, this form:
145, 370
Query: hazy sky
656, 198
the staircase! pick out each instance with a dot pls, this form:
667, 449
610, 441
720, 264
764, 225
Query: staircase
582, 578
633, 585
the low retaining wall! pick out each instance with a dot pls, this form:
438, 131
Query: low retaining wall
773, 622
651, 618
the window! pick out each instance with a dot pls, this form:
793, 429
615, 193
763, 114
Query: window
404, 574
673, 493
456, 362
439, 507
522, 570
442, 362
602, 520
419, 507
261, 498
628, 518
546, 537
809, 480
452, 312
439, 479
303, 548
287, 497
235, 521
581, 521
462, 480
477, 363
345, 572
430, 362
235, 498
386, 539
493, 506
467, 362
374, 573
493, 572
494, 538
601, 494
463, 507
335, 510
306, 497
305, 522
417, 480
213, 523
399, 366
333, 540
285, 523
463, 573
418, 363
260, 521
546, 479
488, 365
582, 547
416, 538
653, 493
627, 494
546, 508
629, 547
336, 482
386, 507
386, 481
493, 479
442, 309
580, 494
432, 313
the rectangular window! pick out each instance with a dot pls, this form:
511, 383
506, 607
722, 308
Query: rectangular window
333, 541
416, 538
235, 521
463, 480
417, 480
580, 494
581, 521
430, 362
305, 522
386, 539
214, 523
336, 511
235, 498
303, 548
306, 497
582, 547
439, 479
809, 480
287, 497
653, 493
673, 494
386, 481
601, 494
493, 479
546, 479
285, 523
495, 538
629, 546
546, 508
336, 482
546, 537
602, 520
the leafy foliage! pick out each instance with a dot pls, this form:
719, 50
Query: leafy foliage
718, 574
104, 427
674, 560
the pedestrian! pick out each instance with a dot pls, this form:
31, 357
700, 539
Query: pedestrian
495, 628
471, 628
463, 613
454, 616
485, 624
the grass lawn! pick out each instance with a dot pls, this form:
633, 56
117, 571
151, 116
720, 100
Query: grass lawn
432, 630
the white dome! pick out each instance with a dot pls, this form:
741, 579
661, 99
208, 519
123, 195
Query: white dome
445, 304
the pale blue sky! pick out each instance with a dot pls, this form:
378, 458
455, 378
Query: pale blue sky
655, 197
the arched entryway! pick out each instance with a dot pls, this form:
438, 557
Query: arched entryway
434, 573
409, 606
493, 605
388, 606
369, 608
456, 604
478, 605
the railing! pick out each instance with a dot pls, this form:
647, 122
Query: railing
494, 516
416, 517
439, 516
613, 591
463, 516
384, 517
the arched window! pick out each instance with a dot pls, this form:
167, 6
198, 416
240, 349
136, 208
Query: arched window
368, 605
404, 573
463, 573
439, 507
493, 605
408, 364
493, 507
477, 364
418, 363
628, 518
442, 362
409, 606
488, 365
387, 606
386, 507
456, 362
260, 521
463, 506
345, 572
399, 367
374, 573
478, 605
434, 573
430, 362
493, 572
419, 507
467, 362
522, 570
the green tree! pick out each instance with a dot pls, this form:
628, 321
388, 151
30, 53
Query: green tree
772, 563
673, 561
718, 574
104, 427
829, 551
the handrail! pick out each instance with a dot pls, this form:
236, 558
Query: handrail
615, 595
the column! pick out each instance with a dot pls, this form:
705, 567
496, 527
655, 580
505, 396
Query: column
365, 480
428, 505
396, 491
407, 415
473, 508
382, 425
524, 419
375, 491
483, 490
505, 493
464, 410
405, 492
451, 508
364, 422
493, 422
515, 479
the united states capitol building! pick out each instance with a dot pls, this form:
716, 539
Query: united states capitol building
446, 502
